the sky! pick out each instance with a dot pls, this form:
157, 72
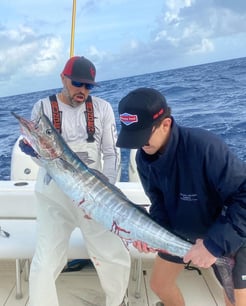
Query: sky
121, 37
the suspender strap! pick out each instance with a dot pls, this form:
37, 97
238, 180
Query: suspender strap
56, 114
90, 124
90, 119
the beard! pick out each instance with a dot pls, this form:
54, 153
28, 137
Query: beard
72, 99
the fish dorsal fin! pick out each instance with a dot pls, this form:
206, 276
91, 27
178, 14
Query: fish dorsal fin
105, 180
99, 175
84, 157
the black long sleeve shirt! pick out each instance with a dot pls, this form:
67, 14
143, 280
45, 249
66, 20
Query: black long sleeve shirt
197, 189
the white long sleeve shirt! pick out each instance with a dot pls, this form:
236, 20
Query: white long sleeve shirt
74, 131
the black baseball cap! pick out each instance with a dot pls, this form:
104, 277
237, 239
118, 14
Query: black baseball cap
80, 69
138, 112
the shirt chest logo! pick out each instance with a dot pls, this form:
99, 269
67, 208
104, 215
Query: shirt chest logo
188, 197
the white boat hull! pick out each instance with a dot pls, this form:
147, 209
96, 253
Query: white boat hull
18, 217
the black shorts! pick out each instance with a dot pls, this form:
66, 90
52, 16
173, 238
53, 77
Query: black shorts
238, 272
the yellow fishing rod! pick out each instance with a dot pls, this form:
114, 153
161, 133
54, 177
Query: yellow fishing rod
73, 29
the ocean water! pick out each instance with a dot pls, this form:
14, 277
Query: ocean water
210, 96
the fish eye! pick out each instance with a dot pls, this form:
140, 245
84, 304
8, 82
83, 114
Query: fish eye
49, 131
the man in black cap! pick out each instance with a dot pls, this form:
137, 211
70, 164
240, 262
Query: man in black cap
196, 186
87, 124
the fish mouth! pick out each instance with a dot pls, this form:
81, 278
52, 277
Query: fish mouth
41, 144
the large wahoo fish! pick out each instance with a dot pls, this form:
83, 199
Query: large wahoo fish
103, 201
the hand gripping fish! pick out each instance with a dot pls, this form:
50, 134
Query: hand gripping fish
103, 201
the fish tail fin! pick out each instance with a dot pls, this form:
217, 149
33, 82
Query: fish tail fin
223, 272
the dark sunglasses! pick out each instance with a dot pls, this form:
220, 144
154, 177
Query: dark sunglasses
81, 84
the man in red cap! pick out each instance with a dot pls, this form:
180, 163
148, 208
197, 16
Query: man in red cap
87, 124
197, 189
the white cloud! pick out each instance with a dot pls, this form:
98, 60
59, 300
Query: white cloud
45, 56
23, 52
192, 27
204, 47
134, 44
122, 37
95, 54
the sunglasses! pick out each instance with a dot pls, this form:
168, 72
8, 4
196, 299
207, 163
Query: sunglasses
81, 84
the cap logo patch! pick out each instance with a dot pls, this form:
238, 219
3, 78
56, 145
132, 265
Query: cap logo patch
157, 115
92, 72
128, 119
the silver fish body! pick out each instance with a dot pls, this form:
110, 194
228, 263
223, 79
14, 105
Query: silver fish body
106, 204
103, 201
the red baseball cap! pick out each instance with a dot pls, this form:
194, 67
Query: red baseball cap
80, 69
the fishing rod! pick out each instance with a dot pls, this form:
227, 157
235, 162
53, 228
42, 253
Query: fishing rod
73, 29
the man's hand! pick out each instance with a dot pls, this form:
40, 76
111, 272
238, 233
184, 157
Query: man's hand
199, 255
143, 247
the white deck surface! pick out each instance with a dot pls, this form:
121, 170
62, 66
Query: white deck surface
83, 288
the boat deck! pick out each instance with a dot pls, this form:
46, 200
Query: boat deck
83, 288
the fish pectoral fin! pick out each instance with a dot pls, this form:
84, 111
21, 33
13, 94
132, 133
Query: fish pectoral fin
47, 179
